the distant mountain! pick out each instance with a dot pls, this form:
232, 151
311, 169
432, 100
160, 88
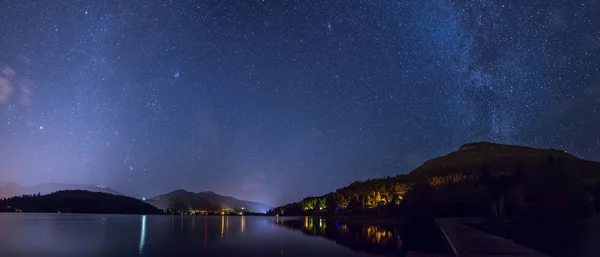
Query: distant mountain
14, 189
233, 203
207, 200
77, 201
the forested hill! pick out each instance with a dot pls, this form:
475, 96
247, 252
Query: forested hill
13, 189
77, 201
528, 181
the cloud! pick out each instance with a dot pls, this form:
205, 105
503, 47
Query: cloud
25, 90
8, 71
6, 90
14, 88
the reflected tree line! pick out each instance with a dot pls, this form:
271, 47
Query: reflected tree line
551, 188
393, 239
369, 238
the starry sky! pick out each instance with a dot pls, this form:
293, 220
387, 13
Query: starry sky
275, 100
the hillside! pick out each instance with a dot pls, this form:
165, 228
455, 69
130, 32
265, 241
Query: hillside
469, 181
13, 189
77, 201
183, 201
469, 157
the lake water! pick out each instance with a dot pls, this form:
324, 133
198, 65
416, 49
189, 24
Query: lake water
131, 235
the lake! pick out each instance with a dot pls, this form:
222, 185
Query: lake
130, 235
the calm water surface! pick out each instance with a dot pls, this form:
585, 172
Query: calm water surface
130, 235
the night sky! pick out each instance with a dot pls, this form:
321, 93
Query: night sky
275, 100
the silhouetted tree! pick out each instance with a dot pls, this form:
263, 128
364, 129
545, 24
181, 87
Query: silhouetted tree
497, 185
331, 203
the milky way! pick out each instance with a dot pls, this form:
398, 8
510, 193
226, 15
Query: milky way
276, 100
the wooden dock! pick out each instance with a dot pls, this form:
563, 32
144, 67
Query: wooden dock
469, 242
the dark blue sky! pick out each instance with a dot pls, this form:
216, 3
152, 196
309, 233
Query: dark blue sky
275, 100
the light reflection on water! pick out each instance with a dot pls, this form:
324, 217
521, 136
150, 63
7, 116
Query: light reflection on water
131, 235
222, 226
370, 238
143, 234
243, 226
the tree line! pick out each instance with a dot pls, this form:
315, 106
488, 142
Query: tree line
77, 201
551, 188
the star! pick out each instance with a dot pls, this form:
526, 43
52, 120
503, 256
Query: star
398, 83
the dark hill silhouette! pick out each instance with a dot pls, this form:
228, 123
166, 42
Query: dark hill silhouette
469, 158
182, 200
13, 189
478, 179
77, 201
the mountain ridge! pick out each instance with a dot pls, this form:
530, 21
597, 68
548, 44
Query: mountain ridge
469, 157
184, 200
14, 189
77, 201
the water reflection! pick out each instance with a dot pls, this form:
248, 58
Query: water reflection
222, 225
243, 225
205, 230
143, 234
378, 239
129, 235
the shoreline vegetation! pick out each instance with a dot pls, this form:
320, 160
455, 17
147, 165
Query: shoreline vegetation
498, 182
